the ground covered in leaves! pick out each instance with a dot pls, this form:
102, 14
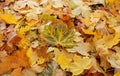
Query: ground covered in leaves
59, 37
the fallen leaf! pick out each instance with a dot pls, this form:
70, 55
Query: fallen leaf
8, 18
33, 22
59, 35
22, 30
41, 60
33, 58
14, 61
28, 72
81, 8
82, 48
115, 40
79, 64
89, 32
16, 72
117, 74
59, 73
63, 61
23, 43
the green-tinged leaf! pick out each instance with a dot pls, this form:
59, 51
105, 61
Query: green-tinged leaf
59, 35
48, 17
47, 72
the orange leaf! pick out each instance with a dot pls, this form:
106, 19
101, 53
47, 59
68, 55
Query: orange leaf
16, 72
14, 61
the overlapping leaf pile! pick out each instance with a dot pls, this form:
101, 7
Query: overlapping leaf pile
60, 38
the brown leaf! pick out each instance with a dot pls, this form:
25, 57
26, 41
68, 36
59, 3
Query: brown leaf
42, 52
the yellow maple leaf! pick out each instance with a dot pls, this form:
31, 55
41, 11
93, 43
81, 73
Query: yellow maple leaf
32, 56
80, 64
117, 74
8, 18
23, 30
63, 61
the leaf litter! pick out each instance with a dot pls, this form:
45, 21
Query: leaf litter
60, 38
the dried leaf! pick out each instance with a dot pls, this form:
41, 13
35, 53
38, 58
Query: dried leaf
57, 4
89, 32
33, 58
33, 22
8, 18
117, 74
115, 40
28, 72
82, 48
81, 8
59, 73
47, 17
59, 35
16, 72
44, 55
114, 60
63, 61
14, 61
80, 64
41, 60
22, 30
23, 43
37, 68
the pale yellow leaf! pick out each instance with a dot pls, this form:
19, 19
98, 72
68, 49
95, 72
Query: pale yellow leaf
82, 48
63, 61
80, 64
